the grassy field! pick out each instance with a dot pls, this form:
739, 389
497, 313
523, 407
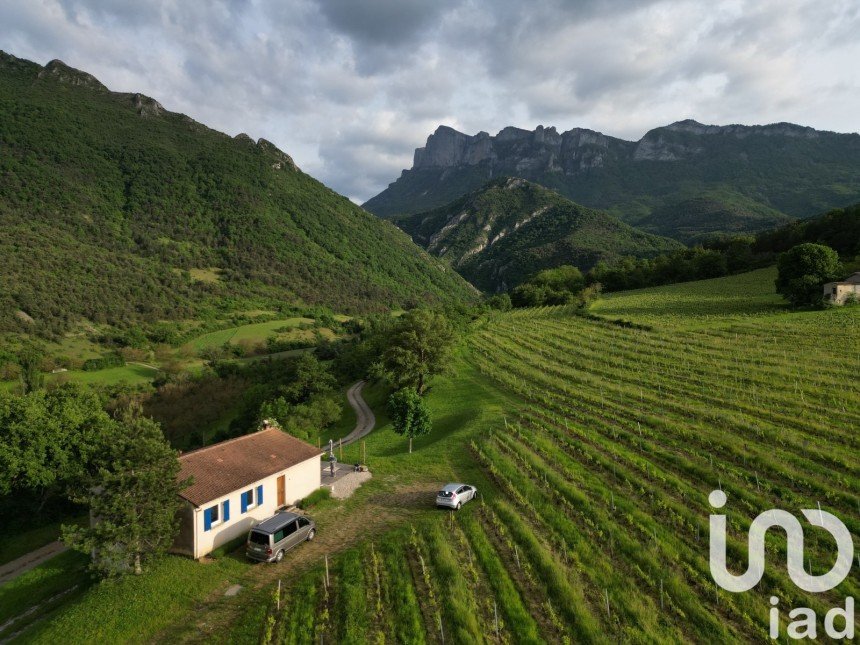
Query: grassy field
595, 445
750, 294
256, 332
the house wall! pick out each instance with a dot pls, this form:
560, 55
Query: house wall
843, 290
184, 542
301, 480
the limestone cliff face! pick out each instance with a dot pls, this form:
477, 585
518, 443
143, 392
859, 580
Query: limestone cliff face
517, 150
514, 150
756, 175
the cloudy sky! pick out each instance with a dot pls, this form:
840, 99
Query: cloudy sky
349, 87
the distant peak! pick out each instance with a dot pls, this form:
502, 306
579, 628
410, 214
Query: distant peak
58, 70
447, 129
686, 123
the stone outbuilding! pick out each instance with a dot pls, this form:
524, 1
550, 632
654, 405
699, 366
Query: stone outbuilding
839, 292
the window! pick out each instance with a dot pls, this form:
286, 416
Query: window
279, 535
211, 517
290, 529
248, 500
303, 522
259, 538
252, 498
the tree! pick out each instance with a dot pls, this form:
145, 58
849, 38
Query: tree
558, 286
30, 359
419, 349
303, 420
47, 439
409, 414
133, 494
803, 270
311, 377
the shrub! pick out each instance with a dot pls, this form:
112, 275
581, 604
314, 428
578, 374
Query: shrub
318, 496
112, 359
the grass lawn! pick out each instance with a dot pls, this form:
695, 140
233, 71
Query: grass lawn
133, 374
14, 545
134, 608
38, 586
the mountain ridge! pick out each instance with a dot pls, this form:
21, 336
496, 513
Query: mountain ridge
759, 176
109, 204
500, 234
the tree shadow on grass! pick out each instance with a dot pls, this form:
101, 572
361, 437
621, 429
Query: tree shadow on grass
443, 428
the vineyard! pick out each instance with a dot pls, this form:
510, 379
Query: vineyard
597, 527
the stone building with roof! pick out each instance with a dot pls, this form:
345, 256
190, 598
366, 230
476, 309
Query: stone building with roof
839, 293
240, 482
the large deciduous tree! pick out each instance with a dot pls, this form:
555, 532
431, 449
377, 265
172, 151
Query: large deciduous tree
48, 439
803, 270
132, 492
409, 414
419, 348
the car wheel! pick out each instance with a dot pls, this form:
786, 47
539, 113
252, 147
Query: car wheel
458, 505
311, 534
279, 556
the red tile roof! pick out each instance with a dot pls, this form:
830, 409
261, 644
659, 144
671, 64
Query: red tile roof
234, 464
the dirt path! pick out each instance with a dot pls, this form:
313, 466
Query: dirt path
12, 570
151, 367
365, 419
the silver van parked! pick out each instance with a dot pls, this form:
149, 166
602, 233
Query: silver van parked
271, 538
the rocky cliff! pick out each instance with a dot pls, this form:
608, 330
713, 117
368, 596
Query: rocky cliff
497, 236
754, 176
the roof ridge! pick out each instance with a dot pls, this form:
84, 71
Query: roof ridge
197, 451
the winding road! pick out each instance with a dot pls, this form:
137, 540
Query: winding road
364, 417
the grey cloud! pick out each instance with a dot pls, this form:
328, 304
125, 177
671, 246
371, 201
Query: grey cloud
383, 22
350, 88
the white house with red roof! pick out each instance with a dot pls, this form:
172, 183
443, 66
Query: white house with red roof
240, 482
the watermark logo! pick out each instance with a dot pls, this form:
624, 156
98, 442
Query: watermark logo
806, 624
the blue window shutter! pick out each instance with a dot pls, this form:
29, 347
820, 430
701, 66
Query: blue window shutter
226, 510
207, 519
259, 494
244, 502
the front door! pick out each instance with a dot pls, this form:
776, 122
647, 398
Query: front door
282, 495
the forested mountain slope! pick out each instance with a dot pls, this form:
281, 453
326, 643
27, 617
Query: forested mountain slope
114, 210
511, 228
685, 180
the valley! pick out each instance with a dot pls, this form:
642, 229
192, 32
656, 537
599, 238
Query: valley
594, 442
547, 386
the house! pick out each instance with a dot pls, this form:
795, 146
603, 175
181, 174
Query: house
839, 292
240, 482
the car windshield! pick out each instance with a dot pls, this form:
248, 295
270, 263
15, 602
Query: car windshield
258, 538
445, 493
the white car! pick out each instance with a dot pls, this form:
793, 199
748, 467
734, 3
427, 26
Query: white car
455, 495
